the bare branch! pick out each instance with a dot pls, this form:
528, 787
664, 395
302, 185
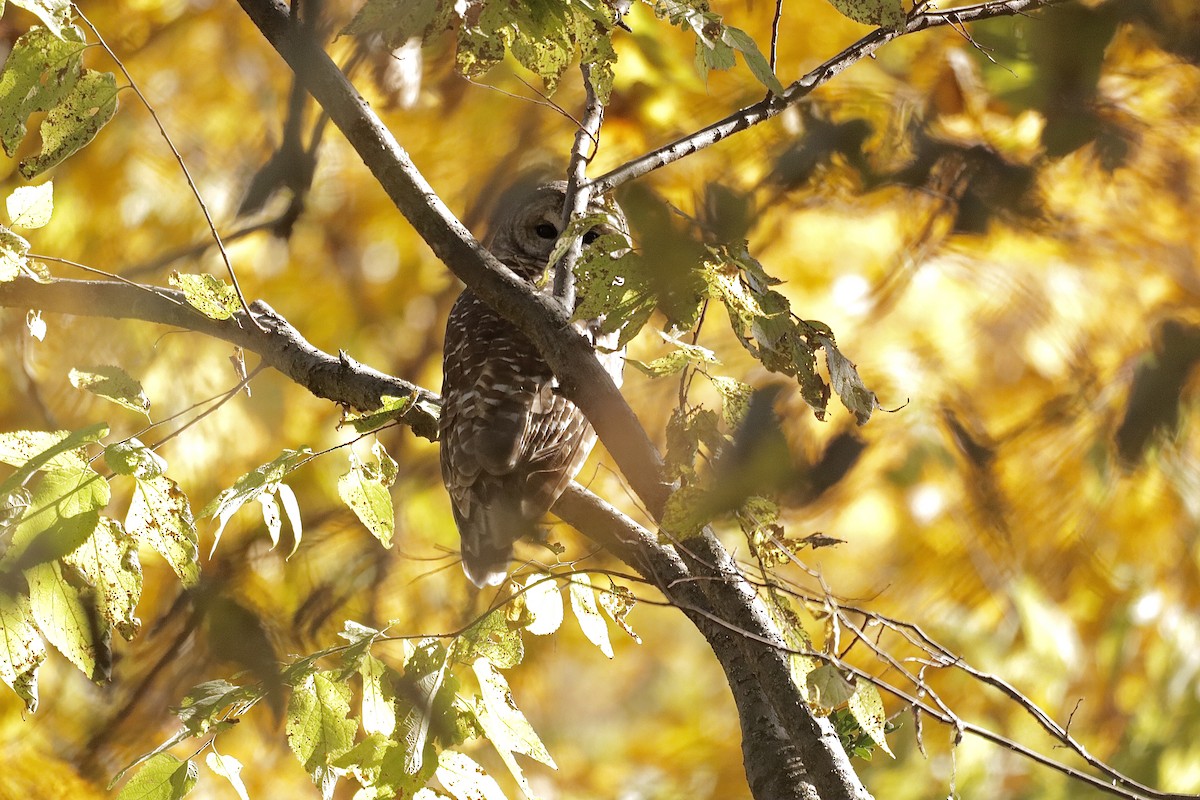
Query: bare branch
587, 139
282, 347
772, 106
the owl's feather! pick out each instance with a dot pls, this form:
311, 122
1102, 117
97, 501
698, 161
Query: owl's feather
510, 443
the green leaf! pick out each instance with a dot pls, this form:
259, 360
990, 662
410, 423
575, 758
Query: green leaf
866, 706
74, 121
505, 725
160, 517
259, 481
108, 560
21, 648
396, 20
44, 450
229, 768
378, 697
885, 13
494, 639
361, 639
318, 725
686, 432
425, 673
31, 206
131, 457
378, 763
465, 779
827, 687
40, 71
742, 42
63, 616
390, 408
583, 603
213, 702
14, 254
211, 296
61, 514
364, 489
735, 398
163, 777
544, 603
114, 384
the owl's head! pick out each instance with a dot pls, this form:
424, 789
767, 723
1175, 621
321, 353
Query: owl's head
527, 225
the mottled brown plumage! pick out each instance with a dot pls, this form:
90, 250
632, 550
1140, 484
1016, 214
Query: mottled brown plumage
510, 443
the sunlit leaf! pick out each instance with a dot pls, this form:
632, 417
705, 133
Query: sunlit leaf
545, 604
735, 398
827, 687
160, 517
465, 779
21, 648
14, 251
583, 603
318, 725
54, 14
505, 725
425, 674
378, 697
211, 296
494, 639
74, 121
364, 489
37, 450
31, 206
108, 560
63, 616
390, 408
229, 768
131, 457
114, 384
262, 480
163, 777
866, 706
34, 322
40, 71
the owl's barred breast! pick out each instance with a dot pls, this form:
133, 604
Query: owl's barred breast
510, 442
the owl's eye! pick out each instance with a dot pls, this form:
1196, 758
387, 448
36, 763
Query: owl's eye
591, 236
546, 231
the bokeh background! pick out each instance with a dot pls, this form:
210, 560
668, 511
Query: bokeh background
1001, 234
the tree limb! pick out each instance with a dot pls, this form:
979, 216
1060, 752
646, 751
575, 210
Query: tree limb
337, 378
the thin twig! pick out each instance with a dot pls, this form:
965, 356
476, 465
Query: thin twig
212, 227
587, 141
774, 105
775, 33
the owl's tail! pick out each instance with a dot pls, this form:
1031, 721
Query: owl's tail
487, 539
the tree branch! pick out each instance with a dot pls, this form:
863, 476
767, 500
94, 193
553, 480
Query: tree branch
773, 105
337, 378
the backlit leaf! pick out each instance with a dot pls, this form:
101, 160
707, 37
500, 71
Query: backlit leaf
583, 603
211, 296
545, 604
109, 561
74, 121
31, 206
866, 706
160, 517
318, 725
21, 648
114, 384
465, 779
163, 777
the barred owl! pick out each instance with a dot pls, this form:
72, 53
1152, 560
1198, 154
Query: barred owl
510, 442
